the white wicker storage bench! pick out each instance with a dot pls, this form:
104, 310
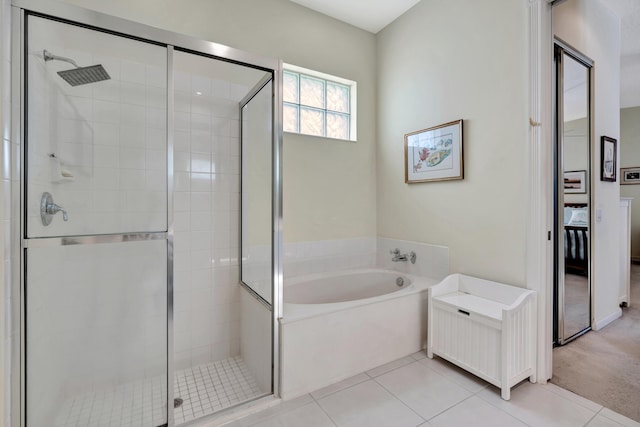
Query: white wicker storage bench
485, 327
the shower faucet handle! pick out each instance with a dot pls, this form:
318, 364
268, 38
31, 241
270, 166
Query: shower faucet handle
48, 209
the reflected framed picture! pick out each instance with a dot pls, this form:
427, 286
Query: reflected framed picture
608, 158
575, 182
630, 176
434, 154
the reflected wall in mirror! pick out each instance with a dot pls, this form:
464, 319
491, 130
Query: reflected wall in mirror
573, 178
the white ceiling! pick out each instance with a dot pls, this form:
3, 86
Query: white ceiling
374, 15
370, 15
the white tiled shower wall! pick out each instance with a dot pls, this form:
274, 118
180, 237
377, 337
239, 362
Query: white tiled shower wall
206, 218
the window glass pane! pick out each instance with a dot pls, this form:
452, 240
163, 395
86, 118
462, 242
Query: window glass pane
290, 87
311, 121
337, 126
311, 92
337, 97
290, 119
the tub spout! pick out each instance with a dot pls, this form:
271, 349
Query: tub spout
398, 257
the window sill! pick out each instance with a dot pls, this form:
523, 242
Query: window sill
326, 138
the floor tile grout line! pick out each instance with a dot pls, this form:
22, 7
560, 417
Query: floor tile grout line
335, 423
551, 390
401, 401
600, 412
590, 419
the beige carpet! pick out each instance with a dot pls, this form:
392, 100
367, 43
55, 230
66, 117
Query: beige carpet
604, 366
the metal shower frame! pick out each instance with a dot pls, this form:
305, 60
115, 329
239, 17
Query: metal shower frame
118, 26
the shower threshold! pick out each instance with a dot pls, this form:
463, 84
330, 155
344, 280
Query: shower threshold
203, 389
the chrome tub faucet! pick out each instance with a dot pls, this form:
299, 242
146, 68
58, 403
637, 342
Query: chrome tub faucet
397, 256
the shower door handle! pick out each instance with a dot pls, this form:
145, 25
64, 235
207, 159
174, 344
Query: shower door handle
48, 209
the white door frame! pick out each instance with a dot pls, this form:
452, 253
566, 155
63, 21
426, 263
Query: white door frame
539, 247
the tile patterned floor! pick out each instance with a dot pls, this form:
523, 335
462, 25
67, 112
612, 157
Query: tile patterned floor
209, 388
417, 391
204, 389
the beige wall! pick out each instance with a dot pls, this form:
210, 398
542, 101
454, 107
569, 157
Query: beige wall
594, 30
329, 185
630, 157
446, 60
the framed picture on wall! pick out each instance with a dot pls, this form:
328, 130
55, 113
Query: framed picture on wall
608, 158
630, 176
434, 154
575, 182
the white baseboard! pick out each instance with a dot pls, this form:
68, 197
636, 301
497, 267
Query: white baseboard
610, 318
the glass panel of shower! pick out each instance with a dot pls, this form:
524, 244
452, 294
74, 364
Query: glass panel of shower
95, 237
218, 363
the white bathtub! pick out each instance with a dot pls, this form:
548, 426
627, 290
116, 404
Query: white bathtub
339, 325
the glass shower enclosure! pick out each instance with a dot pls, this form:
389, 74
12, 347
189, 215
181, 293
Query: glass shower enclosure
150, 222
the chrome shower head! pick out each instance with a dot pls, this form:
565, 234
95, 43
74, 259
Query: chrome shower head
79, 75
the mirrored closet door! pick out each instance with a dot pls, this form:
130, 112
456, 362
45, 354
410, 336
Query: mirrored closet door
572, 284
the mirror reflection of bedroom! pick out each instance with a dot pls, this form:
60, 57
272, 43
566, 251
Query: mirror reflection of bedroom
573, 202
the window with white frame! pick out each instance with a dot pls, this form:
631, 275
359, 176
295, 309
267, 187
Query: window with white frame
318, 104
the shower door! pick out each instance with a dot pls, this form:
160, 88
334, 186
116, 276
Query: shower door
95, 245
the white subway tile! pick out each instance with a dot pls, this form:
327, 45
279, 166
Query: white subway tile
106, 111
200, 84
156, 76
200, 221
200, 181
200, 201
200, 122
182, 181
201, 162
132, 115
156, 118
132, 158
108, 90
106, 134
132, 136
133, 72
182, 202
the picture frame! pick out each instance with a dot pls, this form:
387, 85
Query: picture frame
629, 176
608, 156
575, 182
434, 154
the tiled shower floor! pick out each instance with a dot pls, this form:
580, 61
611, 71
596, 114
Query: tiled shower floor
209, 388
204, 389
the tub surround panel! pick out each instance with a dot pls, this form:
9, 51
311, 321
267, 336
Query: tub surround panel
324, 256
431, 260
322, 350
